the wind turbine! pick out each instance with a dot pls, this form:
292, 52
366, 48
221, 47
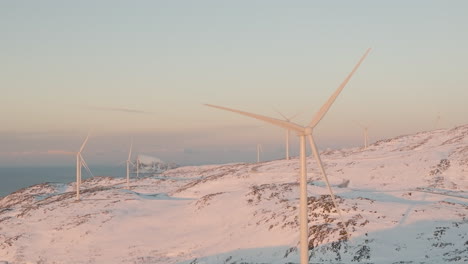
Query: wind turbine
259, 149
129, 162
366, 134
304, 132
80, 162
287, 131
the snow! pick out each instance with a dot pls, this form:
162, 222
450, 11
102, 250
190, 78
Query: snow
406, 202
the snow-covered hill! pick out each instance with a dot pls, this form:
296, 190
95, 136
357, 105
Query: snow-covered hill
405, 200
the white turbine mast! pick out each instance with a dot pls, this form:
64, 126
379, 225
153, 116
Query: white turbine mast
365, 129
138, 166
80, 162
129, 162
288, 119
437, 121
259, 149
304, 132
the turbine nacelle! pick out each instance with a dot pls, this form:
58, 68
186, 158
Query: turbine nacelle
308, 131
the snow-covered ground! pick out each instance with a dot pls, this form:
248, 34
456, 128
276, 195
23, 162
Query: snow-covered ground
406, 202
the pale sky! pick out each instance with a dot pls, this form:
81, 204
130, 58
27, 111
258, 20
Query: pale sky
144, 69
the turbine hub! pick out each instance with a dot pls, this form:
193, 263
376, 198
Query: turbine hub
307, 131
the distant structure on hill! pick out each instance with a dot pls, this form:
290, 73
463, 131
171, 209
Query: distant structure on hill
152, 165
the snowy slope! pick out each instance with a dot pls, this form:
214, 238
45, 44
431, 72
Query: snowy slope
406, 202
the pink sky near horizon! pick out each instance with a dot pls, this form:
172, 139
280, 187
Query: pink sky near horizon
144, 71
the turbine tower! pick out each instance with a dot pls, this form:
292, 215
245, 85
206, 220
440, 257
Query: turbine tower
129, 162
366, 134
287, 131
366, 137
138, 166
259, 149
303, 133
80, 162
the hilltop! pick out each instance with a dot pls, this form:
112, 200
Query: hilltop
405, 200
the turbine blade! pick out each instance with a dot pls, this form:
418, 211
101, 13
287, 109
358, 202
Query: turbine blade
130, 152
274, 121
83, 162
325, 178
295, 115
324, 109
84, 144
285, 117
281, 114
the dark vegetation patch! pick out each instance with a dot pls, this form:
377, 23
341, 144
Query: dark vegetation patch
205, 200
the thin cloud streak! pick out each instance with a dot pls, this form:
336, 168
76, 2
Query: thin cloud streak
120, 109
59, 152
35, 152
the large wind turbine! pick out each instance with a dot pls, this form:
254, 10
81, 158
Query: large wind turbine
304, 132
287, 119
80, 162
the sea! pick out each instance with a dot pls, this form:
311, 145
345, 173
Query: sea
13, 179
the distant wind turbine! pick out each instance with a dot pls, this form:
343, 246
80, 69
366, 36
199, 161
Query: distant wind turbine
304, 132
366, 134
287, 119
129, 162
80, 162
259, 149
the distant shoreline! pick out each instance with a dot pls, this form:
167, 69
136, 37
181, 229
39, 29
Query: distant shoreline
16, 178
